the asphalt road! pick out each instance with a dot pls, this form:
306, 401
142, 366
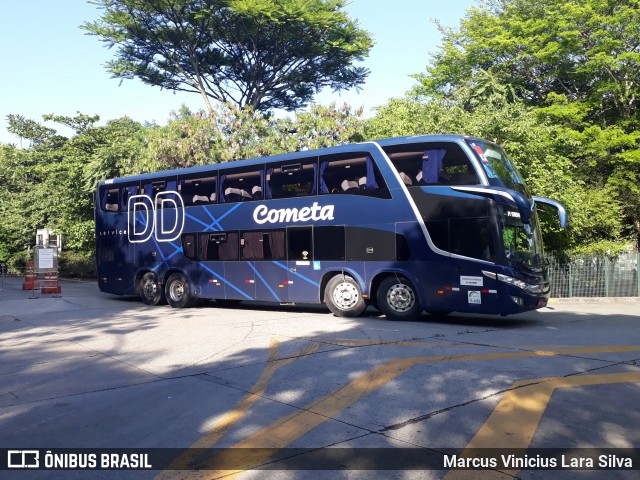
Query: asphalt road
89, 370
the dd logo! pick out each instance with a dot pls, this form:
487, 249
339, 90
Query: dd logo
162, 217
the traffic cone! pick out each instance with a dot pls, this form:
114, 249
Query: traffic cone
30, 278
51, 284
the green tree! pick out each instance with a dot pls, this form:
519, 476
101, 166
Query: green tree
534, 145
231, 133
263, 54
50, 182
585, 50
576, 63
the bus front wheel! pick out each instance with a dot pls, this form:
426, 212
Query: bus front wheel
344, 297
397, 299
178, 291
151, 292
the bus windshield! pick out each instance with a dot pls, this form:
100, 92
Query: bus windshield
522, 242
498, 167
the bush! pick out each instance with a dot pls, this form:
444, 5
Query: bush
77, 264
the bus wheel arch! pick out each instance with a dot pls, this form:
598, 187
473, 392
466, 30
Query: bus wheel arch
178, 290
149, 288
342, 294
397, 297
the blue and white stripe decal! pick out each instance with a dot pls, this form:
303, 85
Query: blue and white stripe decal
275, 295
221, 277
306, 279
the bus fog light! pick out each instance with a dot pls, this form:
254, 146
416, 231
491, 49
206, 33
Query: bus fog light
518, 300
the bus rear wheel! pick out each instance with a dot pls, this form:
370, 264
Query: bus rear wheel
397, 299
151, 292
344, 297
178, 291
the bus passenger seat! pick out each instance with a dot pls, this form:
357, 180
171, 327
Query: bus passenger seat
362, 183
200, 198
112, 207
348, 185
419, 177
233, 194
256, 192
405, 178
213, 197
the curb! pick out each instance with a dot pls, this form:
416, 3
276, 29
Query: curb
566, 300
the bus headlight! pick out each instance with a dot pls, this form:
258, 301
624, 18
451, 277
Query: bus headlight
513, 281
527, 287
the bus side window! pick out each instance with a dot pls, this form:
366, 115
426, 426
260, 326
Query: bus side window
251, 245
110, 199
153, 188
433, 163
471, 237
291, 179
198, 191
352, 173
273, 245
439, 233
267, 245
127, 193
241, 185
218, 246
189, 245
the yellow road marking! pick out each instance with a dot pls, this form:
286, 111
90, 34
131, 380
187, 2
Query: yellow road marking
516, 418
223, 425
284, 431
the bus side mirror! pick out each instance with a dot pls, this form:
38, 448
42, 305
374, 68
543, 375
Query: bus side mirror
562, 212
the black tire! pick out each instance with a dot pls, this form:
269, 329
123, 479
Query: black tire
150, 291
343, 296
398, 299
178, 291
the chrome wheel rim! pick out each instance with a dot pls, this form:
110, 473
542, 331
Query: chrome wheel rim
345, 295
176, 290
149, 288
400, 297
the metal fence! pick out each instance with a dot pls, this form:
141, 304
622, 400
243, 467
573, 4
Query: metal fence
595, 276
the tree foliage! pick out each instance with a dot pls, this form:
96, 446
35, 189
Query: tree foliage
50, 183
576, 65
264, 54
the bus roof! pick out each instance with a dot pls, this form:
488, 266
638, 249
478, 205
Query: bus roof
283, 157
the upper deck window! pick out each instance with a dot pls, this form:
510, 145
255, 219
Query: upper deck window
116, 199
241, 184
291, 179
351, 173
110, 199
199, 191
433, 163
162, 192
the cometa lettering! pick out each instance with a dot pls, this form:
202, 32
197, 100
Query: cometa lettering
262, 214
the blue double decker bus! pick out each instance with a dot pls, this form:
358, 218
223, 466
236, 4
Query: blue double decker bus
428, 223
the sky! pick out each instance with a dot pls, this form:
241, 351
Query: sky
49, 65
